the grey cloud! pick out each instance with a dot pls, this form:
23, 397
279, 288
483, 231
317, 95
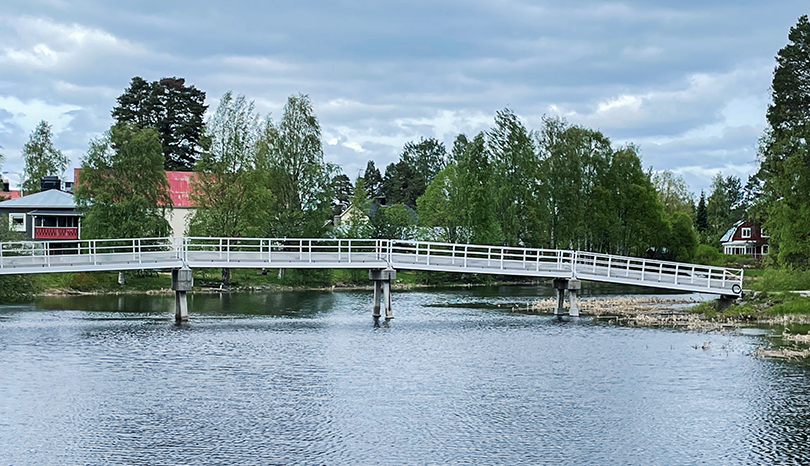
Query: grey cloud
381, 73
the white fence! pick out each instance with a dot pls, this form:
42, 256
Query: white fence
197, 252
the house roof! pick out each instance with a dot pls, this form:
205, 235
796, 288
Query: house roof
179, 186
50, 199
730, 233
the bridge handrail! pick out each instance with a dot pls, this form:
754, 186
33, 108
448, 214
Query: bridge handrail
356, 251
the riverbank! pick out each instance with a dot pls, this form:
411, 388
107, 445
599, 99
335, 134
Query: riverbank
788, 312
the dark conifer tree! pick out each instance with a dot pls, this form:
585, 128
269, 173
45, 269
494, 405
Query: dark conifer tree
173, 109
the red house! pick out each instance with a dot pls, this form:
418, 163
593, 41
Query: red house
745, 238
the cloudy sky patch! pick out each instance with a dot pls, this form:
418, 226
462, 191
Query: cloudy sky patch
686, 81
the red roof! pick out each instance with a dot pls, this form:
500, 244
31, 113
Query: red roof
12, 194
178, 187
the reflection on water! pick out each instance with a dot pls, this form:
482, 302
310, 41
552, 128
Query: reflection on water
306, 378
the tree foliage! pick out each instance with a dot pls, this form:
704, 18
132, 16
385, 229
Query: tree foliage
41, 158
673, 192
173, 109
784, 172
724, 206
301, 178
122, 188
408, 179
373, 180
229, 190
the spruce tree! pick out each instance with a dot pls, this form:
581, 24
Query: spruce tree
784, 153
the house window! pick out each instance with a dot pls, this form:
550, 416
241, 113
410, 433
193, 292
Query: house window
766, 249
762, 232
746, 232
17, 222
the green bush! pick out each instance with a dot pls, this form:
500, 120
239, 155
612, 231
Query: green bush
708, 255
783, 280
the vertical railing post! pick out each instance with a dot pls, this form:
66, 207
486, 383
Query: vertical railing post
453, 255
300, 249
47, 254
1, 254
692, 278
643, 269
228, 253
610, 264
350, 251
139, 251
428, 254
466, 254
310, 251
677, 267
489, 256
502, 251
94, 252
660, 271
709, 279
220, 249
723, 282
338, 250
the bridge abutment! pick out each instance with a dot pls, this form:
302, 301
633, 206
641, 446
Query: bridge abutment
182, 282
573, 286
382, 290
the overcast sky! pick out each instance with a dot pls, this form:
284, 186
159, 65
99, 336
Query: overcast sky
687, 81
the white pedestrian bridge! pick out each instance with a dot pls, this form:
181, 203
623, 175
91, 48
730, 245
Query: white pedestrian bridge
27, 257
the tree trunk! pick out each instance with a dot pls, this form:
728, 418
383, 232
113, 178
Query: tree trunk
226, 277
122, 278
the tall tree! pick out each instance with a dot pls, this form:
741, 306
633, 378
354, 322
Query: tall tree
425, 158
784, 155
122, 188
401, 185
518, 189
229, 190
724, 205
373, 180
474, 202
41, 158
702, 215
342, 189
673, 192
302, 177
437, 207
173, 109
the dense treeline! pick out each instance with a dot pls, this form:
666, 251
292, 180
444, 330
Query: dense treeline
562, 186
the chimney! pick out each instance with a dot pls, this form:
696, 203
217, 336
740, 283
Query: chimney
50, 182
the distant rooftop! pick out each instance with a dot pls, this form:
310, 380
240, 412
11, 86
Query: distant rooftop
50, 199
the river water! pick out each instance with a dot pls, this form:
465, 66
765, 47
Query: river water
306, 378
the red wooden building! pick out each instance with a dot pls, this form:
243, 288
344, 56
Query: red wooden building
745, 238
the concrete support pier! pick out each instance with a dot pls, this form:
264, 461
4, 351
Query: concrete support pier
382, 290
182, 281
573, 286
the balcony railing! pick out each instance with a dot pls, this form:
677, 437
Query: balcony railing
56, 233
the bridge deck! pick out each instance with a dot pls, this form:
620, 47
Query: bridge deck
166, 253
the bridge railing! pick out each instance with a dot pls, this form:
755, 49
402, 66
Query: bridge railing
647, 272
281, 251
97, 252
452, 257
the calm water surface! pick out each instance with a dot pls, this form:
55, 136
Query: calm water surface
306, 378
